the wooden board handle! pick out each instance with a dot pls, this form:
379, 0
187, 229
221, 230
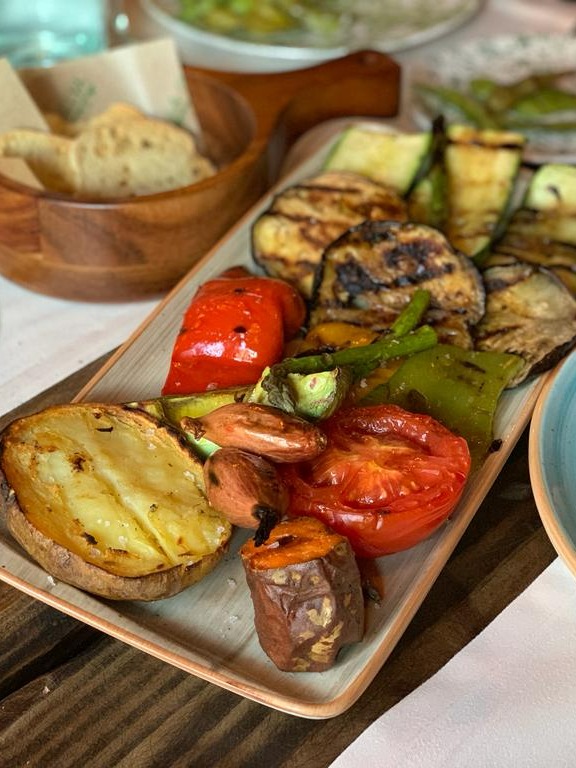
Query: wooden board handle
287, 104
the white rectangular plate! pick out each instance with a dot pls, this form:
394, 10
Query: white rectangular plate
208, 629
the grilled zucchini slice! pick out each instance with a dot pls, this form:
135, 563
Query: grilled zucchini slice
288, 239
481, 171
370, 273
552, 189
390, 158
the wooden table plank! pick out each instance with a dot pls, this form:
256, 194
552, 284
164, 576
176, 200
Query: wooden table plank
34, 639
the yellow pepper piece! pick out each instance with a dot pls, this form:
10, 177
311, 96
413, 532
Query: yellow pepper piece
339, 335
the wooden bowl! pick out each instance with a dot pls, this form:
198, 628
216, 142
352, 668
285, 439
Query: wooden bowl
121, 250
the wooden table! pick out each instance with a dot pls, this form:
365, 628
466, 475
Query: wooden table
71, 696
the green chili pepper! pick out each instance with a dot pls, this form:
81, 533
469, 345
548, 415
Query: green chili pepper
459, 387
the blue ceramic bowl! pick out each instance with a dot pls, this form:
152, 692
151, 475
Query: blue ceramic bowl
552, 459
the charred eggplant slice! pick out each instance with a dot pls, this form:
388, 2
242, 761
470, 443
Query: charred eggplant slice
525, 241
370, 273
289, 238
530, 313
543, 230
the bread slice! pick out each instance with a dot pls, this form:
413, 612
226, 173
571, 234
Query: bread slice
47, 155
115, 113
135, 157
120, 153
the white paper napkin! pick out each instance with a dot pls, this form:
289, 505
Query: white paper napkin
507, 700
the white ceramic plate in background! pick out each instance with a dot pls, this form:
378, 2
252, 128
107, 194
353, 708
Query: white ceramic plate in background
387, 27
503, 59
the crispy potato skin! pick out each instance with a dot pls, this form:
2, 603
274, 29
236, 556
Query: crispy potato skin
65, 566
66, 540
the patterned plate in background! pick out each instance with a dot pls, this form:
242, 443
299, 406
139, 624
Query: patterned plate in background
505, 60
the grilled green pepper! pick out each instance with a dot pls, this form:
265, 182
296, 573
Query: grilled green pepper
460, 388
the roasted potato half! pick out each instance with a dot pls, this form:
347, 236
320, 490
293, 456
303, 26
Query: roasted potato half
109, 500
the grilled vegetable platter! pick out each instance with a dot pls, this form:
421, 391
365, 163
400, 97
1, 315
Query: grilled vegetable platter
264, 482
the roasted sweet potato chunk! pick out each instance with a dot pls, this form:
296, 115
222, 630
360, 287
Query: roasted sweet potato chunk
307, 594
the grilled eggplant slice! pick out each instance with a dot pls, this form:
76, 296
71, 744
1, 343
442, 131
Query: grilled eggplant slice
289, 238
543, 230
530, 313
481, 171
105, 498
370, 273
526, 241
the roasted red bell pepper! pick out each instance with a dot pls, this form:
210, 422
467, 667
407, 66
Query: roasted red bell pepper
235, 326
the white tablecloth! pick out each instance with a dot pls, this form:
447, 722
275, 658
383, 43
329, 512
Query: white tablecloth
506, 701
44, 339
